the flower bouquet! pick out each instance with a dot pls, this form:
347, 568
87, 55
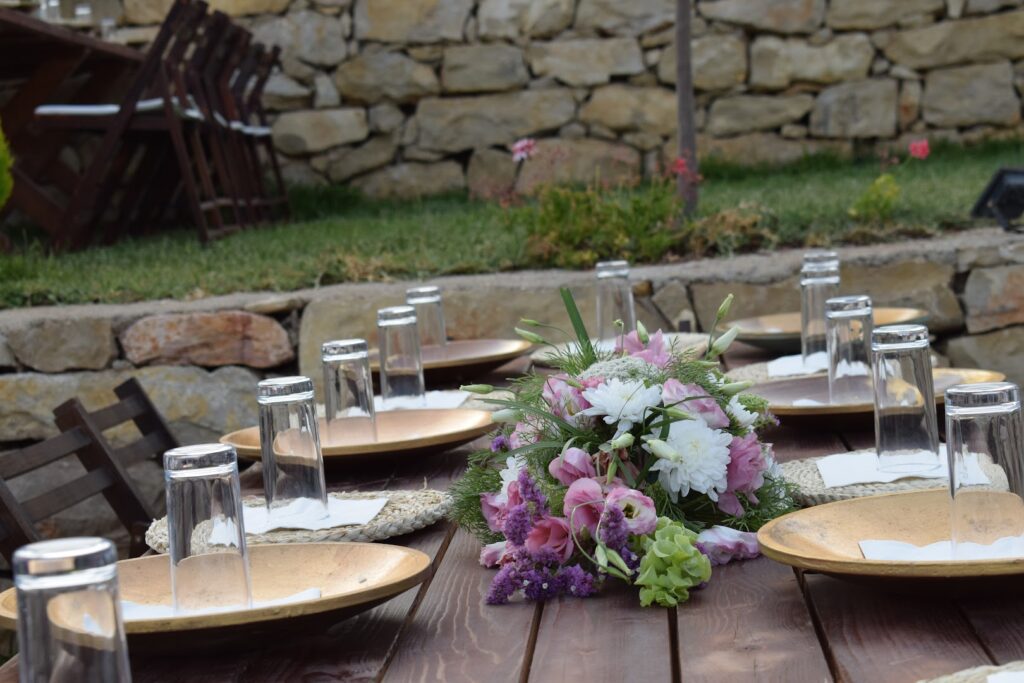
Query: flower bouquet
642, 464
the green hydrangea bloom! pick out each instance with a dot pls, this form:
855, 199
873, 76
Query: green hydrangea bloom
671, 565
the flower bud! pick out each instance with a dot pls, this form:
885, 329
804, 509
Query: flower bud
735, 387
723, 310
477, 388
505, 415
660, 448
641, 333
530, 321
678, 414
624, 440
530, 336
723, 342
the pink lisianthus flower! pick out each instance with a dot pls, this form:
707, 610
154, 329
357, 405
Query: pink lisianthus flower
573, 464
523, 149
638, 509
492, 554
655, 351
723, 545
745, 474
700, 404
920, 149
584, 503
566, 401
524, 434
496, 509
551, 535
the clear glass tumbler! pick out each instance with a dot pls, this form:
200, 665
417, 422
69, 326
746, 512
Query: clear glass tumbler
984, 426
614, 300
401, 367
429, 314
205, 529
349, 386
906, 432
69, 612
819, 282
848, 325
293, 465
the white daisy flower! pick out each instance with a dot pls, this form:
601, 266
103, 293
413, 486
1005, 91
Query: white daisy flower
694, 457
736, 411
513, 465
622, 402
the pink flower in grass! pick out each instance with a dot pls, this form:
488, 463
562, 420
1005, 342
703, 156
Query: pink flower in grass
496, 509
746, 473
573, 464
523, 149
584, 503
920, 149
693, 399
723, 545
638, 509
492, 554
655, 351
551, 535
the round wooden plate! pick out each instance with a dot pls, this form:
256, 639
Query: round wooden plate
825, 538
780, 332
783, 393
398, 431
464, 359
352, 578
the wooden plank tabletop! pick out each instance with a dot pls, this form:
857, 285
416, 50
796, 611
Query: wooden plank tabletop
755, 621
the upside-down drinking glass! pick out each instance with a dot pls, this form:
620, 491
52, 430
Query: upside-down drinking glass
906, 432
293, 466
984, 426
848, 325
401, 367
349, 387
69, 612
819, 282
614, 300
429, 314
205, 529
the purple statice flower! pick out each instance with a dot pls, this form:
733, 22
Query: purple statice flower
612, 530
503, 586
540, 584
518, 524
499, 444
631, 559
531, 493
576, 581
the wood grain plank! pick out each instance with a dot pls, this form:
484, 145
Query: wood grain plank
793, 442
879, 637
749, 623
997, 622
607, 637
454, 635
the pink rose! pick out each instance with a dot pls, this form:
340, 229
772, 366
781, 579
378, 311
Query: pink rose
699, 403
745, 474
638, 509
654, 352
722, 544
573, 464
492, 554
566, 401
552, 535
495, 506
584, 502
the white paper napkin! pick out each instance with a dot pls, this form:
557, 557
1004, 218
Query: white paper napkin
787, 366
135, 611
302, 513
1006, 677
435, 400
1008, 546
861, 467
807, 403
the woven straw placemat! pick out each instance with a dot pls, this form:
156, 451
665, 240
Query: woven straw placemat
978, 674
693, 342
405, 512
811, 489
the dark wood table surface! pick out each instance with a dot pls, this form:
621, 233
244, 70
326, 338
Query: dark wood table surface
756, 620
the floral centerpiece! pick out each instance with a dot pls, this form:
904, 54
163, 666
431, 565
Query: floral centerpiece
641, 464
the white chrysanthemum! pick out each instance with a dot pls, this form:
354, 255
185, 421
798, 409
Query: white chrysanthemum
694, 457
736, 411
622, 402
624, 368
513, 465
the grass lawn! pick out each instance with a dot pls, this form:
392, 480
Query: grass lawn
338, 237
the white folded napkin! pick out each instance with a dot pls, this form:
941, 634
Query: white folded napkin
304, 513
135, 611
1006, 547
787, 366
435, 400
1006, 677
861, 467
807, 403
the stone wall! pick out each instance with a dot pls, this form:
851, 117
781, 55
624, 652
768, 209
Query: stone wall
406, 97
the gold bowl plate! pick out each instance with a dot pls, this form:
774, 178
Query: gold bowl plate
352, 578
825, 538
780, 332
398, 431
465, 359
783, 393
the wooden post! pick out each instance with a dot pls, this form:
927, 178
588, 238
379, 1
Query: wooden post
685, 117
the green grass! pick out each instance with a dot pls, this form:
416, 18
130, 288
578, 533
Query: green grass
340, 237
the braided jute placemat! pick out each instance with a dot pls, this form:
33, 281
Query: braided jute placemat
978, 674
405, 512
811, 488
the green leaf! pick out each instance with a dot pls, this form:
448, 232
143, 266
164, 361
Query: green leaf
586, 348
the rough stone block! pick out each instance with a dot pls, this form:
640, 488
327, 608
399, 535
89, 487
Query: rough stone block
746, 113
389, 76
63, 344
491, 174
1002, 350
412, 180
858, 109
588, 61
578, 162
305, 35
625, 18
629, 108
998, 36
971, 95
483, 68
775, 63
776, 16
994, 297
308, 132
719, 62
872, 14
411, 21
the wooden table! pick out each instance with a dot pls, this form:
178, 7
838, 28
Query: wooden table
45, 63
756, 620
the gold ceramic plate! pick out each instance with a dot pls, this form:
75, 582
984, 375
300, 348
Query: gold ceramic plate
469, 353
825, 538
782, 394
352, 577
781, 331
398, 431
